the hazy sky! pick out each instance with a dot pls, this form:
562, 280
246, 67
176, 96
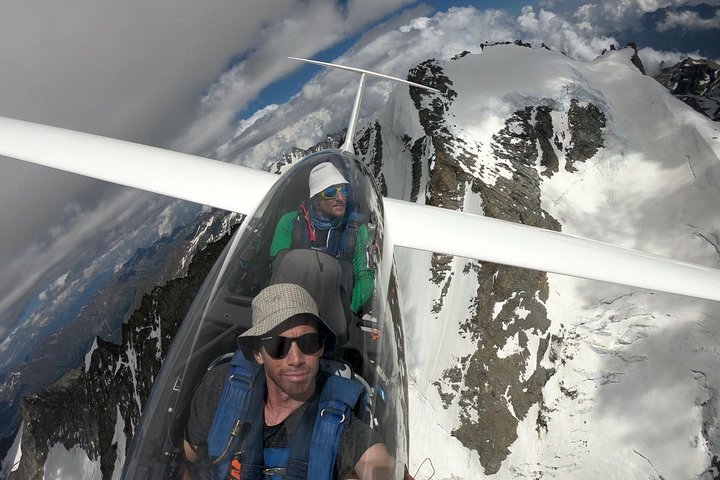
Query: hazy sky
182, 75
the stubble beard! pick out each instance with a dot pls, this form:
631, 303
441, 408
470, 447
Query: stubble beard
293, 388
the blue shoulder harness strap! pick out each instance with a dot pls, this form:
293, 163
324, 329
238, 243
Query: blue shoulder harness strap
237, 404
242, 399
337, 401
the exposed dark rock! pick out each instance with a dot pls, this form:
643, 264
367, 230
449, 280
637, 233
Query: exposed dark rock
460, 55
81, 408
518, 43
586, 128
635, 59
695, 82
491, 390
446, 185
691, 77
375, 160
417, 151
431, 107
711, 426
523, 132
531, 127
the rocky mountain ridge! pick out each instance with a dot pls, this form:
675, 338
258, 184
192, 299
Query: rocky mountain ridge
695, 82
505, 377
87, 405
146, 271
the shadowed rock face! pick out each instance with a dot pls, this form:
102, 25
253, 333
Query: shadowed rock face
496, 389
81, 409
695, 82
373, 137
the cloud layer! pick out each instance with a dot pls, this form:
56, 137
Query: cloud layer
139, 71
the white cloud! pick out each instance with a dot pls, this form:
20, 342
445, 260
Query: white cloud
578, 40
612, 15
654, 61
165, 221
316, 27
688, 20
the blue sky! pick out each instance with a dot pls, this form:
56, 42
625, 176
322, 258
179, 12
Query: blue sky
281, 90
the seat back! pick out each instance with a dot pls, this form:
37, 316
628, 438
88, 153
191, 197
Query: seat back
321, 275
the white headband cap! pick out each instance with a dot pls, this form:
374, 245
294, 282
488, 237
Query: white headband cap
322, 176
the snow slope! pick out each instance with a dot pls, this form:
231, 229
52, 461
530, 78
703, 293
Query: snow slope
634, 392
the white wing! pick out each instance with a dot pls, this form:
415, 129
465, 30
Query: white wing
209, 182
472, 236
240, 189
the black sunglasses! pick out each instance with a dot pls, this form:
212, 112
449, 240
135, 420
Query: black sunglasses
278, 347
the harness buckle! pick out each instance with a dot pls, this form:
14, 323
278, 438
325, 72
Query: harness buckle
270, 471
247, 381
333, 412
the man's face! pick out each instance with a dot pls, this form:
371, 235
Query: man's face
294, 375
331, 207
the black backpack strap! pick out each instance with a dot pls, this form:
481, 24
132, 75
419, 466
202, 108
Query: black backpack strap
350, 237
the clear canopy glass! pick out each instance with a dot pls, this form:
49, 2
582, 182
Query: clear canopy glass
372, 345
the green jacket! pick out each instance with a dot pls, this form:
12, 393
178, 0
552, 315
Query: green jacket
364, 274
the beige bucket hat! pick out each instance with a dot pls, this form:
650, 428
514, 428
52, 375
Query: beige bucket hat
277, 303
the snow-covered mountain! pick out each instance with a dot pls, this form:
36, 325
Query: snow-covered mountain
521, 374
514, 373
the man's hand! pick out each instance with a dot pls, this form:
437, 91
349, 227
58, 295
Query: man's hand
190, 456
376, 464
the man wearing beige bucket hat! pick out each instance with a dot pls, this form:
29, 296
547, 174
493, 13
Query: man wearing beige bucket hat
272, 411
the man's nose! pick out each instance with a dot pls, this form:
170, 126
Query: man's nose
295, 356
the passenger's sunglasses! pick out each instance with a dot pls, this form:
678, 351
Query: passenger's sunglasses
278, 347
332, 192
